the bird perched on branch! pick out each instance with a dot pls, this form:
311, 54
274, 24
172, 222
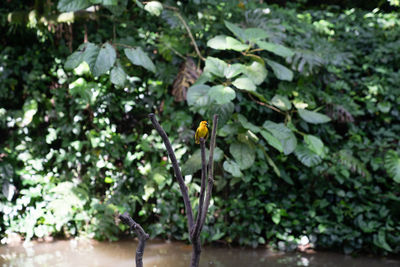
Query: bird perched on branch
201, 132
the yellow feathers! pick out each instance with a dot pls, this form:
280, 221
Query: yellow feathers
201, 132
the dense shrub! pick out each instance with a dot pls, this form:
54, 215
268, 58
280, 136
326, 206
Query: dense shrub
307, 148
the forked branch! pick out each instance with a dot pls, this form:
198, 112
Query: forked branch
177, 170
142, 235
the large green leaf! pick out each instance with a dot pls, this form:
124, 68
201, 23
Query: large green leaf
223, 42
283, 134
233, 168
118, 75
83, 53
313, 117
306, 156
380, 240
277, 49
100, 60
243, 154
248, 125
224, 111
272, 140
197, 95
222, 94
244, 83
234, 70
239, 32
280, 71
254, 34
256, 72
72, 5
314, 144
138, 57
281, 102
104, 60
215, 66
392, 165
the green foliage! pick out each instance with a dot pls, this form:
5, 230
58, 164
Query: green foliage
308, 135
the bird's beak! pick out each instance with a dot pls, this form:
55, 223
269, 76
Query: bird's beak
207, 124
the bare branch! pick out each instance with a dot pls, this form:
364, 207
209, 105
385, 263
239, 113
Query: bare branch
142, 235
197, 226
177, 170
210, 171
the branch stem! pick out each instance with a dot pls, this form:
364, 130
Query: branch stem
142, 235
197, 225
175, 166
210, 171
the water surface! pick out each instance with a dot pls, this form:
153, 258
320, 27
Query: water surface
73, 253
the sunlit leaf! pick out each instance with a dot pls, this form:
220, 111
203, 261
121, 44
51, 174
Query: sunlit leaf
281, 102
222, 94
233, 168
223, 42
215, 66
244, 83
243, 154
30, 108
154, 7
234, 70
256, 72
198, 95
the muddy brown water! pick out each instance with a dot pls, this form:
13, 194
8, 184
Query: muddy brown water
73, 253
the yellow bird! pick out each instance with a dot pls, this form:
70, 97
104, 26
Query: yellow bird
202, 131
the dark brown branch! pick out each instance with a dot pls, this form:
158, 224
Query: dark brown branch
197, 225
210, 171
177, 170
142, 235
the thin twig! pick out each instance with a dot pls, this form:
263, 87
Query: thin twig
176, 11
265, 104
177, 170
123, 45
142, 235
175, 51
210, 171
197, 225
190, 35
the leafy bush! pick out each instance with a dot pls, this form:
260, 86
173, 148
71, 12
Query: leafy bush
308, 143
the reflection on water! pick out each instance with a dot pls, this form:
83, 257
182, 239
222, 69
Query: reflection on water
165, 254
